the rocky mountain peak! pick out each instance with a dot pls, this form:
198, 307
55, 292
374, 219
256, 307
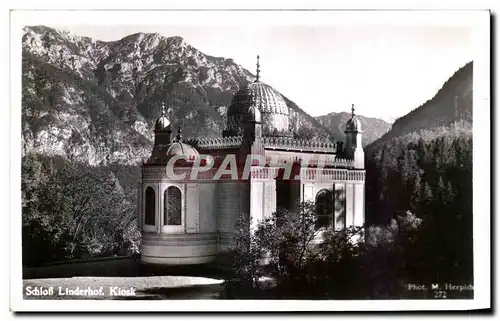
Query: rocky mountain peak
176, 40
96, 101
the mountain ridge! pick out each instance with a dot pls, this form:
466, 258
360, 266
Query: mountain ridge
96, 101
372, 128
451, 104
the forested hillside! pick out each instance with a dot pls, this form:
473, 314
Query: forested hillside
425, 166
76, 211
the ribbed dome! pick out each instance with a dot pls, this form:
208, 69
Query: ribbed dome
261, 95
273, 108
162, 154
179, 148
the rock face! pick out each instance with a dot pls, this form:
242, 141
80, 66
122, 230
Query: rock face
96, 102
373, 128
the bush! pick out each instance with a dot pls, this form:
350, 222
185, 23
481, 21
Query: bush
74, 211
312, 262
289, 239
246, 255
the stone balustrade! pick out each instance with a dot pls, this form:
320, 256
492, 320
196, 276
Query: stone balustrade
298, 144
216, 142
270, 142
320, 160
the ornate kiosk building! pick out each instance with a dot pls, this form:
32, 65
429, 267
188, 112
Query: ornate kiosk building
189, 219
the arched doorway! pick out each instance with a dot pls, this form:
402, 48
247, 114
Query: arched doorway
150, 206
172, 206
324, 209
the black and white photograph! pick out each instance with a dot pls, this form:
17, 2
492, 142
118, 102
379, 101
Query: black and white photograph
250, 160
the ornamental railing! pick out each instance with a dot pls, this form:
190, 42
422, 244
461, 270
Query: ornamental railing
298, 144
216, 142
315, 161
285, 143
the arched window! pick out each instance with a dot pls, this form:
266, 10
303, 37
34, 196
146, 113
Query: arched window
324, 208
172, 203
150, 206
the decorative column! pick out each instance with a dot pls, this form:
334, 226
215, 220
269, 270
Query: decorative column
262, 193
269, 197
349, 211
192, 208
158, 208
256, 202
339, 202
140, 212
228, 210
359, 204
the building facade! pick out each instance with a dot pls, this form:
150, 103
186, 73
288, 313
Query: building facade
189, 200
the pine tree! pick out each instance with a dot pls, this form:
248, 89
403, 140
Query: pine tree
426, 193
440, 191
417, 188
449, 195
421, 153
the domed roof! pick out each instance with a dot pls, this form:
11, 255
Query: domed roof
353, 124
258, 96
261, 95
262, 98
162, 123
180, 148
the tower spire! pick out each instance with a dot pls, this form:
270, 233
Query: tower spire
163, 108
258, 69
352, 110
179, 134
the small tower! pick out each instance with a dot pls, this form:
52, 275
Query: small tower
252, 125
162, 129
353, 147
252, 132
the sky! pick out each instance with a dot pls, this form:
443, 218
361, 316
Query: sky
384, 69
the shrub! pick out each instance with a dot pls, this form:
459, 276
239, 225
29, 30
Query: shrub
312, 262
288, 239
74, 211
245, 254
